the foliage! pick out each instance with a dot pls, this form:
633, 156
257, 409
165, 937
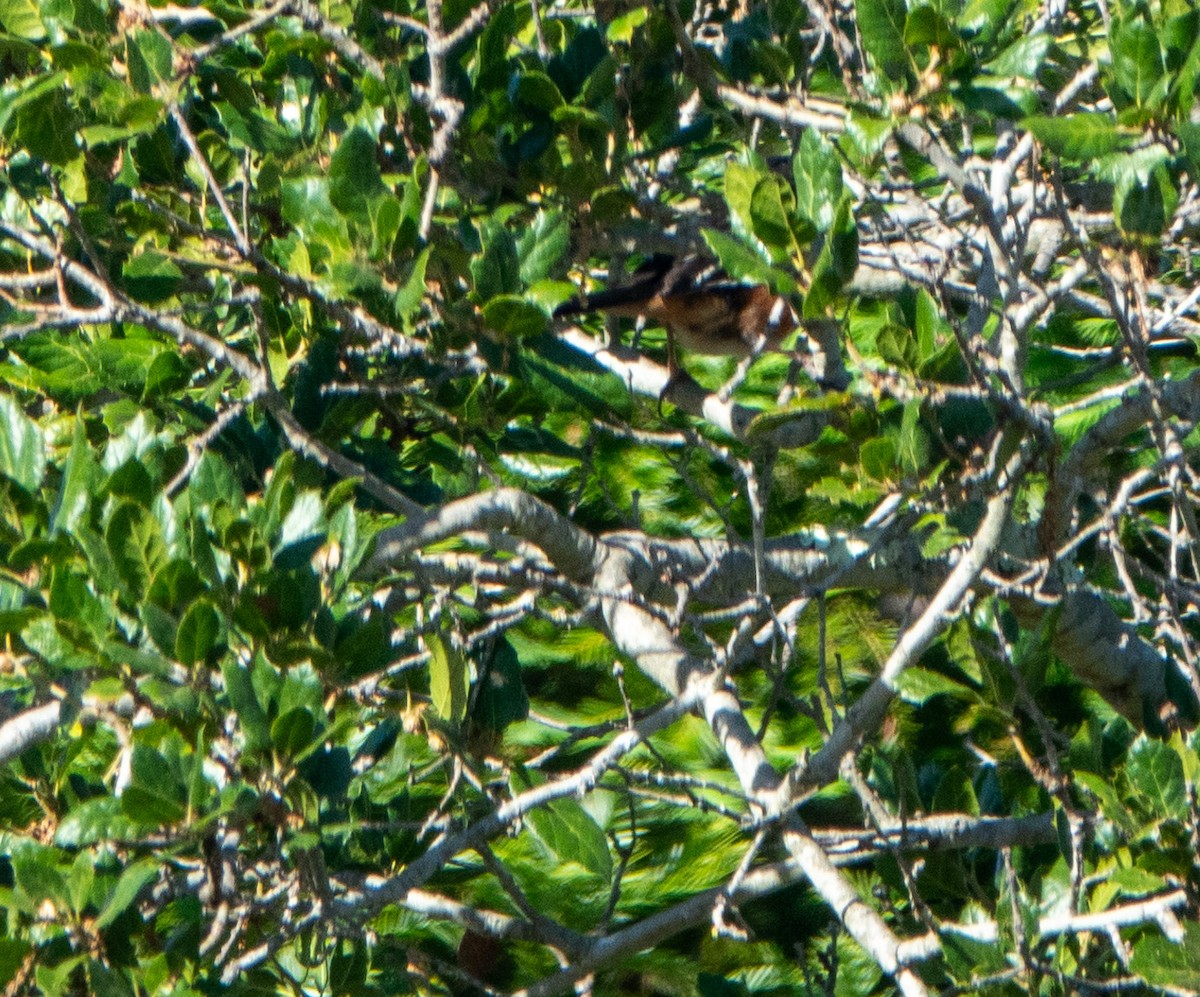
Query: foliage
368, 631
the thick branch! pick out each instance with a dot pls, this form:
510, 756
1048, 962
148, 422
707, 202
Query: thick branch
506, 510
27, 729
1108, 655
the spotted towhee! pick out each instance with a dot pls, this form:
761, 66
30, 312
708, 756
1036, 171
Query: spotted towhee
700, 306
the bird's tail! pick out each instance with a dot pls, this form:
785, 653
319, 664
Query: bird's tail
615, 299
627, 299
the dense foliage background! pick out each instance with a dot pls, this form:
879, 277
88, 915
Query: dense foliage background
366, 631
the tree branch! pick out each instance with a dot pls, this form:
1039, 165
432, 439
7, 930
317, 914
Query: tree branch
27, 729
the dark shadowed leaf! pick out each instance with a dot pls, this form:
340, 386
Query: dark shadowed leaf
151, 277
502, 699
130, 883
293, 731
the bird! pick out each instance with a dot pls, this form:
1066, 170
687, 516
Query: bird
702, 308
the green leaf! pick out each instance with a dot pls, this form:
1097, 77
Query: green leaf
1137, 60
36, 875
542, 245
514, 317
571, 834
94, 821
129, 885
449, 678
836, 263
1111, 804
239, 687
412, 292
386, 213
354, 173
200, 635
71, 367
612, 204
571, 116
926, 26
53, 981
771, 220
364, 649
912, 446
1157, 773
106, 981
13, 955
496, 270
1145, 210
1136, 167
249, 128
878, 458
27, 92
22, 448
919, 685
740, 181
47, 128
151, 277
305, 203
1135, 882
1182, 35
842, 243
967, 959
20, 18
149, 808
161, 625
1165, 963
154, 797
536, 90
857, 972
151, 59
293, 731
621, 29
986, 18
135, 540
1077, 136
929, 326
955, 794
1024, 58
302, 527
818, 176
881, 24
940, 539
743, 263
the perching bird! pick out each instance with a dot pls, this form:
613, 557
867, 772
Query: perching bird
700, 306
